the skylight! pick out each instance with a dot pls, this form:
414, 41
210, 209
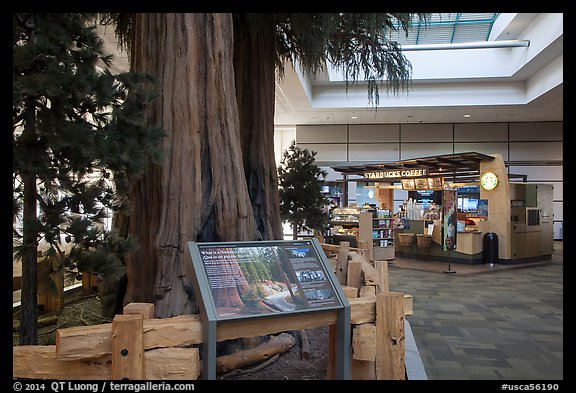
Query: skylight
447, 28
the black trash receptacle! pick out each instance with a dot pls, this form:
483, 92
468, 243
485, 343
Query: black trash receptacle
490, 248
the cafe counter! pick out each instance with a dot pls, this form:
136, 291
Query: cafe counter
414, 242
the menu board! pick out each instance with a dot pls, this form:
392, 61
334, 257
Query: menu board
407, 184
435, 183
269, 277
421, 183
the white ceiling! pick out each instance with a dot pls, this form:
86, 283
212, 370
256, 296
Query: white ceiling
527, 86
311, 100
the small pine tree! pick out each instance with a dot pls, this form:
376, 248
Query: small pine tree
79, 136
300, 184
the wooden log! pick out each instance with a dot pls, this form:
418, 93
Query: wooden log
354, 275
82, 342
367, 291
364, 342
261, 327
408, 304
390, 339
40, 362
172, 363
350, 292
363, 309
127, 347
89, 282
275, 345
369, 273
382, 284
342, 262
363, 370
184, 330
363, 249
332, 261
144, 309
330, 248
42, 321
50, 279
335, 248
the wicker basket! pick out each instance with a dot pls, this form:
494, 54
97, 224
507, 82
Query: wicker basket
406, 239
423, 241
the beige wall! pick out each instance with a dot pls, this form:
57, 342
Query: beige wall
534, 149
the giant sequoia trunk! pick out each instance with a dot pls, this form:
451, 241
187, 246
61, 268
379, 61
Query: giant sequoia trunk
199, 190
254, 68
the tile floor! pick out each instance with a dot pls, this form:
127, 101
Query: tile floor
499, 323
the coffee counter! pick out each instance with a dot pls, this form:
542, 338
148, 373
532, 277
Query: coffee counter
468, 245
469, 242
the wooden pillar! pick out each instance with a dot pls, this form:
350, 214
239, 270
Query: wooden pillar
127, 347
364, 249
354, 278
144, 309
342, 263
390, 339
89, 282
382, 285
50, 284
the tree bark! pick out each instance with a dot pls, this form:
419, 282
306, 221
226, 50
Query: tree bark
28, 332
255, 73
198, 192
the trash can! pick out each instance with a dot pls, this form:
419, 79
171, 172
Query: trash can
490, 248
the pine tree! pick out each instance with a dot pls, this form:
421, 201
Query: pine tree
300, 188
79, 136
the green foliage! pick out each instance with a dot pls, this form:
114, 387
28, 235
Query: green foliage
300, 184
80, 132
357, 43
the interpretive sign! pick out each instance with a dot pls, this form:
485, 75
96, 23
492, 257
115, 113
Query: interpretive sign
237, 281
259, 278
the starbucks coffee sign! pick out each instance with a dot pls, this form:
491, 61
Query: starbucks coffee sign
396, 174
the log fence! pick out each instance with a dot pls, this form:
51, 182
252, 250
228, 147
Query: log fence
137, 346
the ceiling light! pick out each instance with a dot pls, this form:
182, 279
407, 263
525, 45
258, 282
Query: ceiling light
467, 115
354, 117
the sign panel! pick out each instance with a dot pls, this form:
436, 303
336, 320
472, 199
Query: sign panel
435, 183
421, 183
247, 279
407, 184
396, 174
449, 218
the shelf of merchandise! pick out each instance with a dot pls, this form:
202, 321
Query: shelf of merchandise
376, 228
344, 224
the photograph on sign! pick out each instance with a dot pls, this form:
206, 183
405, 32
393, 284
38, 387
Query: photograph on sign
268, 278
407, 184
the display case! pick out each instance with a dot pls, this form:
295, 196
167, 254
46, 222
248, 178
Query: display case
377, 229
344, 225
